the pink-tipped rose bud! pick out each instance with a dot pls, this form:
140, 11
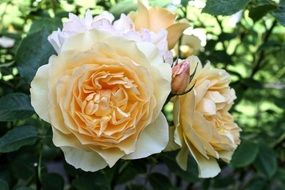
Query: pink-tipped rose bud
180, 77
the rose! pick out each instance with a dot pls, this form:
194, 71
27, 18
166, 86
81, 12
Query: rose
192, 41
180, 77
203, 123
103, 96
155, 19
124, 27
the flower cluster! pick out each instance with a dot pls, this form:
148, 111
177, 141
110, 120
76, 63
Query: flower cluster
104, 91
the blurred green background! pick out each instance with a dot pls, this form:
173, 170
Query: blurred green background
245, 37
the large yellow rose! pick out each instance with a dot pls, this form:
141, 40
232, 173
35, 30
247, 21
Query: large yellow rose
155, 19
204, 126
103, 96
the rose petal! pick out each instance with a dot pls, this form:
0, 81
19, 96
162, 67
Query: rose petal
182, 158
87, 161
111, 156
207, 106
153, 139
207, 167
174, 33
39, 92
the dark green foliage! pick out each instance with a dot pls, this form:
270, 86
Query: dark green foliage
18, 137
15, 106
224, 7
252, 50
33, 52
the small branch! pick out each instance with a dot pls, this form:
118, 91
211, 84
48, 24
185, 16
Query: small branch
222, 30
261, 57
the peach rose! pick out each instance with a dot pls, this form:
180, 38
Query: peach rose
155, 19
204, 126
180, 77
103, 94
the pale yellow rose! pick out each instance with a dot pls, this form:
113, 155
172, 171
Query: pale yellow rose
103, 96
204, 126
192, 41
155, 19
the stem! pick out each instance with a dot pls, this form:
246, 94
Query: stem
222, 31
38, 169
261, 57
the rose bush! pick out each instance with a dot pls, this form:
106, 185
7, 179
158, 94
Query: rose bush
103, 93
204, 126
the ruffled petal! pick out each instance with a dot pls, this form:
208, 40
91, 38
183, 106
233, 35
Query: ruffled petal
152, 140
85, 160
208, 167
39, 92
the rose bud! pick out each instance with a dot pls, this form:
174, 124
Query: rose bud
180, 77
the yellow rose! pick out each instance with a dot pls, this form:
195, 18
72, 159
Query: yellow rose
203, 123
103, 96
155, 19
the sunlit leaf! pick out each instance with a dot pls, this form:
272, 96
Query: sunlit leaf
224, 7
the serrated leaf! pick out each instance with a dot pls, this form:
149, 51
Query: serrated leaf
15, 106
266, 161
50, 24
245, 154
224, 7
33, 52
18, 137
280, 12
256, 13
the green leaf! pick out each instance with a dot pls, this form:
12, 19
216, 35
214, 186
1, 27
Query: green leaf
160, 181
159, 3
15, 106
33, 52
22, 166
190, 175
124, 6
50, 24
224, 7
4, 185
52, 181
18, 137
184, 3
256, 13
100, 180
280, 12
245, 154
130, 170
256, 183
266, 161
